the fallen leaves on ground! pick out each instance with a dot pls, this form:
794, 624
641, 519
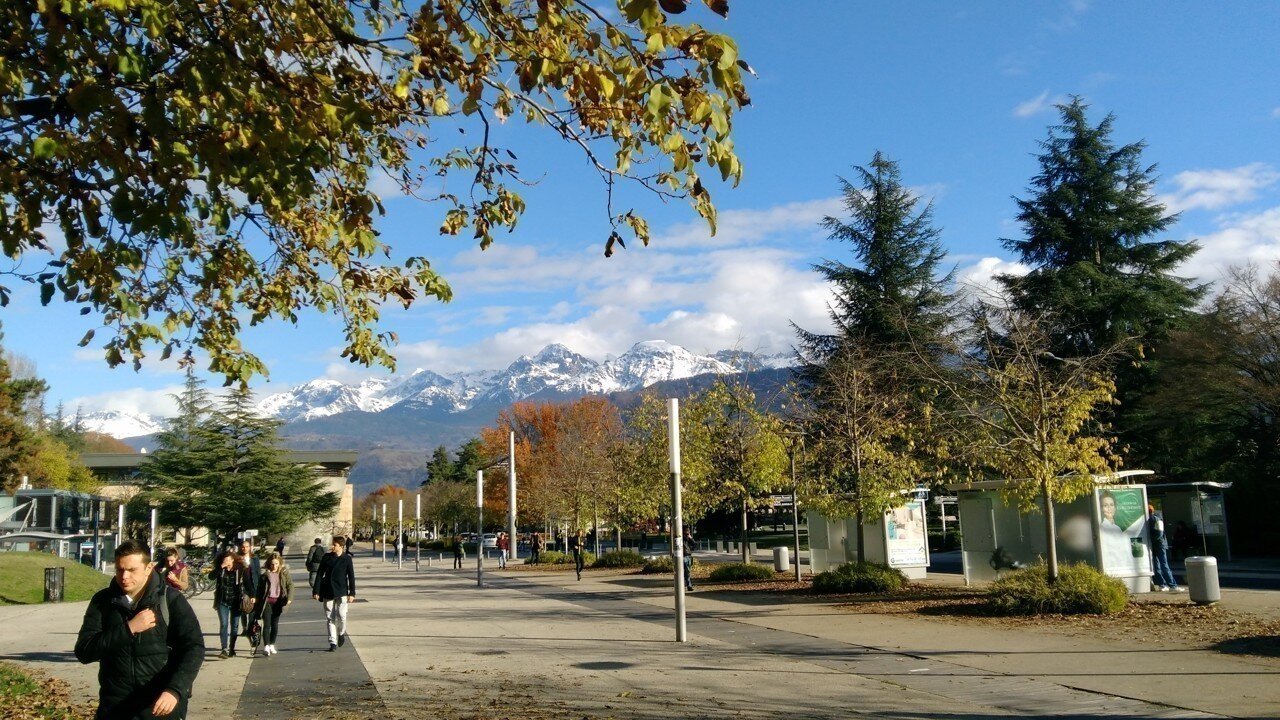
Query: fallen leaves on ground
31, 695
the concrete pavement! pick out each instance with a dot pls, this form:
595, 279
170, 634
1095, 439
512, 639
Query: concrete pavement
542, 645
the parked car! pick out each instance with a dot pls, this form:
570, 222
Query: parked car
491, 540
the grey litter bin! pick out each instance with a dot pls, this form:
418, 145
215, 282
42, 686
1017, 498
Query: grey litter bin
54, 581
1202, 579
781, 559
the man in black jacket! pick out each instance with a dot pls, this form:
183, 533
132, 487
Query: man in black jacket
336, 587
313, 562
146, 640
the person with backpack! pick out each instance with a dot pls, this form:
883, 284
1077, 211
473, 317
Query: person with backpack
146, 639
314, 556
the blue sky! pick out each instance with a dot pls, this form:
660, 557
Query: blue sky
958, 92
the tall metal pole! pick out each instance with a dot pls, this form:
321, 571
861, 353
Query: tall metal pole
383, 533
120, 524
97, 510
677, 518
417, 533
400, 534
151, 542
512, 542
795, 510
479, 528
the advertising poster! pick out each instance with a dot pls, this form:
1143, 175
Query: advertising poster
1122, 521
905, 537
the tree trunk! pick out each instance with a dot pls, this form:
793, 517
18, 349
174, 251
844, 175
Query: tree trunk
746, 553
862, 538
1051, 533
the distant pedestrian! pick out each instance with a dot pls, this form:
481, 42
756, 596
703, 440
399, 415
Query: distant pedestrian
174, 571
644, 540
398, 549
559, 540
347, 545
687, 541
1163, 574
576, 546
146, 640
313, 562
230, 590
456, 546
504, 548
250, 563
336, 588
275, 590
280, 545
535, 548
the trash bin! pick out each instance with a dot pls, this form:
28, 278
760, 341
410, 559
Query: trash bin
781, 559
1202, 579
53, 582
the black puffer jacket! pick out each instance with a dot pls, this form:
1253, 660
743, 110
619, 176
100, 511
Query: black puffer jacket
135, 669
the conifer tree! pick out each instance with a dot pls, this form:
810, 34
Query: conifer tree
256, 486
17, 439
1090, 221
184, 468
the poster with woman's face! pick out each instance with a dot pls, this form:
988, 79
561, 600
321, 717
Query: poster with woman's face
1122, 541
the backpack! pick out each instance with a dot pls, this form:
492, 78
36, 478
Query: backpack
313, 558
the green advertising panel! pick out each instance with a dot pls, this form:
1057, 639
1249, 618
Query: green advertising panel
1121, 538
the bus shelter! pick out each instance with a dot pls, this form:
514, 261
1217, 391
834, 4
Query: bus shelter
899, 538
1106, 528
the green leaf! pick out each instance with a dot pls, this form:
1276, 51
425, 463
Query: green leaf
44, 148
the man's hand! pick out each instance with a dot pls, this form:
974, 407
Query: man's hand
351, 598
142, 622
315, 596
165, 703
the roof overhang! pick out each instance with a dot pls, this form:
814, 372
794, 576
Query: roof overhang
1123, 476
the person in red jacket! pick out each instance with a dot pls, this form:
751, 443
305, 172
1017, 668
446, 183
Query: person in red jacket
504, 548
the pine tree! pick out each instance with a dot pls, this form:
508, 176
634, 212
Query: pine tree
256, 486
184, 469
864, 406
1089, 220
439, 467
893, 293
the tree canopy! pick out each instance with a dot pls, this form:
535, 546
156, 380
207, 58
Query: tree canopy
1089, 220
185, 168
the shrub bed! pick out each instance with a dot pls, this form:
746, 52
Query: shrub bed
1080, 590
741, 571
555, 557
859, 577
619, 559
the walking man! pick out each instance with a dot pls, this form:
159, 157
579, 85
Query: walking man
313, 562
336, 588
146, 640
1160, 552
577, 545
687, 541
504, 546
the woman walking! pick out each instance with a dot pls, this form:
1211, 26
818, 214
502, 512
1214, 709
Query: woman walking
275, 590
457, 552
230, 588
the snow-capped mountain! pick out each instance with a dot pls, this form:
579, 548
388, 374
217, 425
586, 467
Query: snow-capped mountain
119, 424
555, 370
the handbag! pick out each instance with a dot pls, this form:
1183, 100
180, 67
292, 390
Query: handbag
246, 604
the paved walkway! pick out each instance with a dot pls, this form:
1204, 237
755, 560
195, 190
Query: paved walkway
540, 645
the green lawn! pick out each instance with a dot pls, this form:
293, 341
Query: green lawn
22, 578
23, 696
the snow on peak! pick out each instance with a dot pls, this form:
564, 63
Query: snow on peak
120, 424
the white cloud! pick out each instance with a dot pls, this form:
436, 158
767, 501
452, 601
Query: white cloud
159, 402
1241, 239
1275, 113
1216, 189
980, 278
1042, 103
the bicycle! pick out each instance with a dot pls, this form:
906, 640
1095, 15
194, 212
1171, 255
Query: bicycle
199, 578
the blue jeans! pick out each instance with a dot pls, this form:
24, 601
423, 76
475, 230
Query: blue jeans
1160, 565
229, 617
688, 572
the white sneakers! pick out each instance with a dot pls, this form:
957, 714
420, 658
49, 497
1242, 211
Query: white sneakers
269, 650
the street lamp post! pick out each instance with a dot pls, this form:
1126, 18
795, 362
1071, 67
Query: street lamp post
383, 532
677, 518
400, 534
479, 528
796, 438
512, 542
417, 533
